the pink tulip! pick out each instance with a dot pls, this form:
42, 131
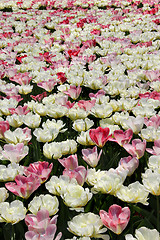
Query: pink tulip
73, 92
122, 137
4, 126
156, 148
73, 170
98, 94
24, 186
137, 148
14, 153
153, 121
19, 110
116, 219
47, 85
99, 136
87, 105
70, 162
79, 173
129, 163
90, 155
21, 78
41, 227
40, 169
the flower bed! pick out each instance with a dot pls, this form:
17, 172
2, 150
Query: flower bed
79, 119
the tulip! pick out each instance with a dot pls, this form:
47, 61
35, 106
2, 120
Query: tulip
156, 148
14, 153
123, 137
116, 219
4, 126
129, 163
90, 155
24, 186
137, 148
70, 162
99, 136
79, 173
73, 92
40, 226
40, 169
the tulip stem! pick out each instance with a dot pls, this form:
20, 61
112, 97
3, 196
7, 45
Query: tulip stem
158, 213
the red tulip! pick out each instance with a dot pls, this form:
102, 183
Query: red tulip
99, 136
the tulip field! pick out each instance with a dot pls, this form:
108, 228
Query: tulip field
80, 119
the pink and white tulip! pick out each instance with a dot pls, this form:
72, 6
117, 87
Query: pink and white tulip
137, 148
40, 169
41, 227
91, 156
130, 164
122, 137
79, 173
153, 121
24, 186
73, 92
156, 148
116, 219
14, 153
4, 126
70, 162
99, 136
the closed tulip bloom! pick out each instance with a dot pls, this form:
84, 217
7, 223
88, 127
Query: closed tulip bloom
70, 162
99, 136
116, 219
90, 155
129, 163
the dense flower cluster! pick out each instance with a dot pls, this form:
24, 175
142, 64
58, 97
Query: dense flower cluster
80, 119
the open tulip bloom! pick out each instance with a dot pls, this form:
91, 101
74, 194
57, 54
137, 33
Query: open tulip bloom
116, 219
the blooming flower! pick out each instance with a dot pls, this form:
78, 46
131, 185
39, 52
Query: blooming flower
156, 148
3, 194
4, 126
151, 181
134, 193
90, 155
24, 186
87, 225
40, 169
129, 163
14, 153
41, 226
123, 137
137, 148
12, 212
144, 233
99, 136
46, 201
116, 219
